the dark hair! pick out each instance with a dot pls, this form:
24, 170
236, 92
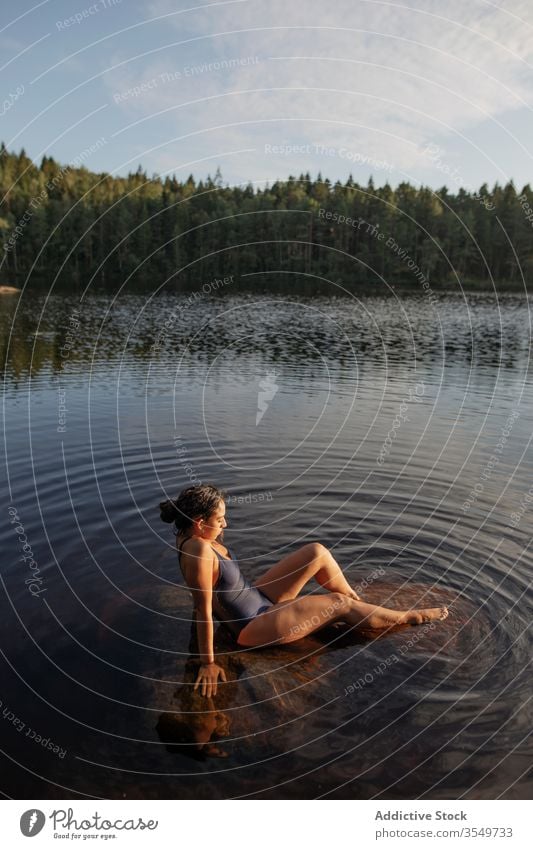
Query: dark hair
194, 502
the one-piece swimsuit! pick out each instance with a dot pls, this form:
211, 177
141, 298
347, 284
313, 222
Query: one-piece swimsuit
235, 601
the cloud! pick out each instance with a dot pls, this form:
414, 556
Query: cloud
376, 78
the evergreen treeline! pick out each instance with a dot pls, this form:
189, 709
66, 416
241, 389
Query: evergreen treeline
106, 229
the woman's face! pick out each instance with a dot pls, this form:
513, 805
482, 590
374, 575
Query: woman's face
214, 526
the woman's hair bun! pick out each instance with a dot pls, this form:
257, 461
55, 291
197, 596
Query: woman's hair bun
168, 510
198, 501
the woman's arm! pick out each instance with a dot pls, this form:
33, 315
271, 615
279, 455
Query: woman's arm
204, 629
198, 566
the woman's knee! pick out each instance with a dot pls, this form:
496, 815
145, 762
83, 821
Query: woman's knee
316, 549
246, 639
338, 605
333, 606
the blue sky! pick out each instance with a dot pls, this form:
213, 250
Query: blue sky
430, 92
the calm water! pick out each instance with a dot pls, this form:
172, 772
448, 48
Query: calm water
96, 636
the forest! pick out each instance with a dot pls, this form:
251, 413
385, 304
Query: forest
65, 227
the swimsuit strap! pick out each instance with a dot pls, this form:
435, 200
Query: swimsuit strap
214, 549
223, 555
180, 551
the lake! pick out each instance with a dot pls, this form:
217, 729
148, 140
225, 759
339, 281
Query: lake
394, 430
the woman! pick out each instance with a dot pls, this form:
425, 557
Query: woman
269, 611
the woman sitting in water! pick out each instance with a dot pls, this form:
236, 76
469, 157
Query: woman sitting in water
269, 611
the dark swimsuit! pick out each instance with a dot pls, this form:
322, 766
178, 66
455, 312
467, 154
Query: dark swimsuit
235, 601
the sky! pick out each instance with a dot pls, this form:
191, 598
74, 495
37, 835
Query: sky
429, 92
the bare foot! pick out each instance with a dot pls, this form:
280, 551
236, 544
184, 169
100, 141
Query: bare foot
425, 614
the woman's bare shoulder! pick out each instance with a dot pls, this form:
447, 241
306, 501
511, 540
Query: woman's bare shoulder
198, 551
196, 547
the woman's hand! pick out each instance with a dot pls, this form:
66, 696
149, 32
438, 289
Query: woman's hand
208, 676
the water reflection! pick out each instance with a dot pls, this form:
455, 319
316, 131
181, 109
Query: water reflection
193, 728
103, 662
41, 334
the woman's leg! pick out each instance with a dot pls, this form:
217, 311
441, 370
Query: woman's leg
291, 620
285, 579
